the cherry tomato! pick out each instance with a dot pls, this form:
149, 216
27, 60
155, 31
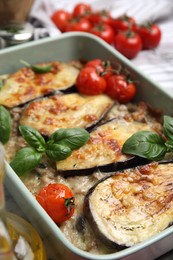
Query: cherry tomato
103, 16
57, 200
89, 82
123, 23
104, 68
81, 9
128, 43
118, 88
150, 35
79, 24
104, 31
60, 19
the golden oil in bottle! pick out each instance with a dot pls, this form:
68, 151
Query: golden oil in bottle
6, 252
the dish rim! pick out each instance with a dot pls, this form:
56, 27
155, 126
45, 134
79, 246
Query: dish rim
12, 176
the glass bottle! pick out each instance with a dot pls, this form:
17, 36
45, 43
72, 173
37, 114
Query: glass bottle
18, 239
6, 251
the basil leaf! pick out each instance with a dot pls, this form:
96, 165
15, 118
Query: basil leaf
145, 144
169, 145
33, 137
1, 84
25, 160
71, 137
168, 127
38, 68
5, 125
41, 69
57, 152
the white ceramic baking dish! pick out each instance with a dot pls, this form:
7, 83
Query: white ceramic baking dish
72, 46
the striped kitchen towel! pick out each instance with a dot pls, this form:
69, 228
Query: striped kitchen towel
157, 63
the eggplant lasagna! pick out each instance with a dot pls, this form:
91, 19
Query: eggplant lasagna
116, 206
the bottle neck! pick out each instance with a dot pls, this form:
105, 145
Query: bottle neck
2, 173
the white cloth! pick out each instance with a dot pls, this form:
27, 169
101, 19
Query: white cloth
157, 63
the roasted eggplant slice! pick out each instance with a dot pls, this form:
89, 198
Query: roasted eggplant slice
65, 111
140, 112
103, 150
130, 206
26, 85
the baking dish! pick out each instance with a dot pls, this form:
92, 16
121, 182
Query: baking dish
74, 46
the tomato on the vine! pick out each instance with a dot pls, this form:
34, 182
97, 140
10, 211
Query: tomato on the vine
150, 35
89, 82
60, 19
124, 22
120, 89
104, 68
104, 31
102, 16
57, 200
128, 43
81, 9
78, 24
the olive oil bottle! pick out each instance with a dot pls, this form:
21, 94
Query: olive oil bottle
6, 251
18, 239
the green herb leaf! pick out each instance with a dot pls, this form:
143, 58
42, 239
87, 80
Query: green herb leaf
72, 137
5, 125
57, 152
38, 68
33, 137
25, 160
12, 28
41, 69
1, 84
168, 127
145, 144
169, 145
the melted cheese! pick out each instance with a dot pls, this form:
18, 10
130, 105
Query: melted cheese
135, 204
26, 85
65, 111
103, 147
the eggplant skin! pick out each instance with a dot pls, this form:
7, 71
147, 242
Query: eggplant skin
130, 206
108, 168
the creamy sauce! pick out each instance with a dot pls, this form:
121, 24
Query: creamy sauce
77, 230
